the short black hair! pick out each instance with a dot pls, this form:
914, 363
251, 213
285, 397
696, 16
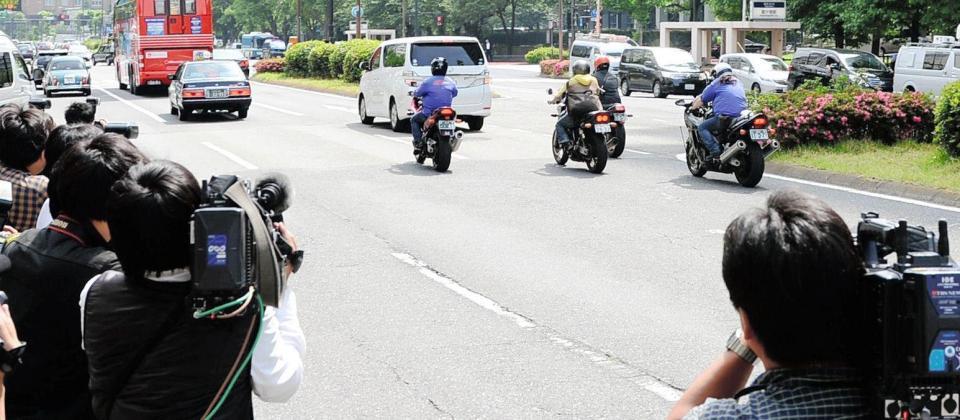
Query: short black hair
80, 113
793, 269
149, 213
23, 134
62, 138
84, 176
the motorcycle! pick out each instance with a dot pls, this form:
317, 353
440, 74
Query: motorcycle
747, 142
440, 137
618, 138
588, 143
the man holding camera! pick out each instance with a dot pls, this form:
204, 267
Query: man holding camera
794, 276
23, 134
49, 269
157, 358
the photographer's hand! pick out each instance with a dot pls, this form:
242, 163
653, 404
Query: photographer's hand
8, 332
292, 240
723, 379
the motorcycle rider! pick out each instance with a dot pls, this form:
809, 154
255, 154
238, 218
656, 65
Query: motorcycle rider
582, 92
436, 92
609, 84
729, 100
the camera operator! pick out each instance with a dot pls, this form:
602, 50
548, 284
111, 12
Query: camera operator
80, 113
23, 134
50, 267
155, 359
792, 272
12, 347
61, 139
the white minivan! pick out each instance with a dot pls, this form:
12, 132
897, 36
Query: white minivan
398, 66
590, 47
926, 68
760, 73
16, 83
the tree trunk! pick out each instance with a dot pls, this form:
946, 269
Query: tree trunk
838, 35
875, 42
915, 27
513, 26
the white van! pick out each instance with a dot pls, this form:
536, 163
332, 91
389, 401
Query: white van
591, 47
926, 68
398, 66
16, 83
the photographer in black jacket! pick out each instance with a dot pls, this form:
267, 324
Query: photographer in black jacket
794, 276
50, 266
80, 113
154, 359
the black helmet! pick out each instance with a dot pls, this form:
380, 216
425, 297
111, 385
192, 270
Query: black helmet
438, 67
581, 67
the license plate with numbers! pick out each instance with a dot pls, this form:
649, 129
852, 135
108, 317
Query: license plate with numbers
218, 93
689, 86
602, 128
759, 134
619, 117
447, 125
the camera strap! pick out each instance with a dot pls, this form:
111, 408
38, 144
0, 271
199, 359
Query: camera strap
265, 251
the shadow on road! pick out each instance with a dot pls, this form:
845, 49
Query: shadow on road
691, 182
414, 169
202, 118
552, 169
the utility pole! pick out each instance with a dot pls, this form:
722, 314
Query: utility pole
359, 18
560, 32
574, 20
329, 31
599, 24
299, 20
416, 17
403, 18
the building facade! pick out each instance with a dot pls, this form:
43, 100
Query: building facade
34, 7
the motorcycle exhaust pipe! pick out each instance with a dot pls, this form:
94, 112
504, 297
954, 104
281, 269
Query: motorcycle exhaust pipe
732, 151
771, 148
455, 140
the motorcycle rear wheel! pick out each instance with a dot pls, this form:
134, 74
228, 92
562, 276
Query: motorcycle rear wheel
441, 156
617, 142
560, 154
597, 160
751, 170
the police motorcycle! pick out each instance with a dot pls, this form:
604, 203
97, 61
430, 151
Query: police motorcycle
441, 138
588, 142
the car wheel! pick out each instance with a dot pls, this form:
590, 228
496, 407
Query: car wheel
47, 93
396, 124
625, 87
475, 123
362, 106
658, 90
242, 113
185, 114
755, 88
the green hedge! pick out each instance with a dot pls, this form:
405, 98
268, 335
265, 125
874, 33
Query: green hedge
537, 55
355, 53
319, 60
947, 117
329, 61
298, 57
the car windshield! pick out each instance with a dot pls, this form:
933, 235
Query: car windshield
771, 64
675, 58
456, 53
66, 65
863, 62
212, 70
23, 47
227, 55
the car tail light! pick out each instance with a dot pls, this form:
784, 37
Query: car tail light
447, 113
790, 67
244, 63
193, 93
602, 118
760, 122
85, 80
240, 91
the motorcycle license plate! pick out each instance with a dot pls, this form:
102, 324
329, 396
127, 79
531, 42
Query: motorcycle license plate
601, 128
619, 117
446, 125
689, 86
218, 93
759, 134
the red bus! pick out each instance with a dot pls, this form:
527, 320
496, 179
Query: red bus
152, 38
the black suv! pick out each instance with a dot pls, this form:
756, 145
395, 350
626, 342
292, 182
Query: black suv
661, 71
826, 64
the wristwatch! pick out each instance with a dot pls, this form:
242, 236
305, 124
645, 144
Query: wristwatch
10, 360
736, 345
296, 260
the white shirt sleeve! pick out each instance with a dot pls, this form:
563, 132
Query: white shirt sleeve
44, 218
277, 365
83, 302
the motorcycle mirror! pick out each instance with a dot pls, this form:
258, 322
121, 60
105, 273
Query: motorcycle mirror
680, 102
550, 91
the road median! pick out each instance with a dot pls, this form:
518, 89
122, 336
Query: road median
332, 86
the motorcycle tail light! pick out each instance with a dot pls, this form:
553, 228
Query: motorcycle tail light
447, 113
193, 93
602, 118
743, 132
760, 122
619, 108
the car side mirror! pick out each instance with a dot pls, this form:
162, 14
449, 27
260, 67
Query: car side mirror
834, 66
364, 65
88, 65
172, 77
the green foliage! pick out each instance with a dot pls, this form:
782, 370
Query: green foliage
93, 44
537, 55
298, 57
320, 60
726, 9
947, 132
336, 59
357, 51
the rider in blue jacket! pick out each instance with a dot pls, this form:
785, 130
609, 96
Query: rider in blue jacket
436, 92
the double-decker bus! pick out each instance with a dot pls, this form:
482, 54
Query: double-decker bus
153, 37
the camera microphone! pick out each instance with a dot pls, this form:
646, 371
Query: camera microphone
274, 192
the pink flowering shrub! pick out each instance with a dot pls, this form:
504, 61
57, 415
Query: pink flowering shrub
272, 65
554, 67
826, 115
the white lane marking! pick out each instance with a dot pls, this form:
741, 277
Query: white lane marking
637, 152
277, 109
329, 95
904, 200
661, 121
404, 140
520, 130
595, 356
339, 108
554, 81
152, 115
229, 155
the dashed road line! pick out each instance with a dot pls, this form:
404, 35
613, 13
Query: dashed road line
639, 152
277, 109
150, 114
340, 108
593, 355
230, 155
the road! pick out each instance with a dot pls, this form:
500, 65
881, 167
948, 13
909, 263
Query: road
509, 287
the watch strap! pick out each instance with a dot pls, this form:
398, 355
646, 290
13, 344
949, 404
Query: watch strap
735, 345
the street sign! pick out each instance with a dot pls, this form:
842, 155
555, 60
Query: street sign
356, 11
439, 20
768, 10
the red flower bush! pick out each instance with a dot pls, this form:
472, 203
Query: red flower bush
273, 65
554, 67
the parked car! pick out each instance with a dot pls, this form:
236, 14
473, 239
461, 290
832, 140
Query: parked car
104, 54
81, 51
27, 50
235, 55
758, 72
17, 87
44, 45
398, 66
926, 68
592, 47
661, 71
826, 64
66, 74
211, 85
40, 63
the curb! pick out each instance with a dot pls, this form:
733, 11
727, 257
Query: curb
295, 86
916, 192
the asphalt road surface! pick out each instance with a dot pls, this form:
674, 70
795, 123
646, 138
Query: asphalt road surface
509, 287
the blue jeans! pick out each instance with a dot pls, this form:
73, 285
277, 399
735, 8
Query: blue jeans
564, 125
707, 137
416, 127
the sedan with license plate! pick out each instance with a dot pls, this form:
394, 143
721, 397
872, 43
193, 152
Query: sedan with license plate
65, 74
212, 85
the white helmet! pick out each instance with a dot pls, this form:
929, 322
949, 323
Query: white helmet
721, 69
